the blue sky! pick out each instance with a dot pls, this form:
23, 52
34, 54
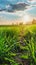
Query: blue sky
5, 5
12, 1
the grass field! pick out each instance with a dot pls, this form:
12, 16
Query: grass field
18, 45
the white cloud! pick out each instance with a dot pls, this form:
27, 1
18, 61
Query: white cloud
18, 13
31, 1
27, 11
7, 6
20, 2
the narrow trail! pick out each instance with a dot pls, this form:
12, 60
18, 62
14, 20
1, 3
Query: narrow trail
22, 61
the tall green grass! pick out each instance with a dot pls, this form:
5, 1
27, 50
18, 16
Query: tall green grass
17, 43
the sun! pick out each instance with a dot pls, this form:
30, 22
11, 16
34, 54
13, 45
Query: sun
27, 18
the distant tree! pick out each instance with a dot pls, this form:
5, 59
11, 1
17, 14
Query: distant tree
21, 23
34, 21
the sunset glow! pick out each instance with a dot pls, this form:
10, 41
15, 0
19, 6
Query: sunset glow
27, 18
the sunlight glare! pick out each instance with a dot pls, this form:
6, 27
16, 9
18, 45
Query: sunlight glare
27, 18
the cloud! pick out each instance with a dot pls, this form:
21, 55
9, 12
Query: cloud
7, 6
17, 10
31, 11
16, 7
17, 13
10, 16
31, 1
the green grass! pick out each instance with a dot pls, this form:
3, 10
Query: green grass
17, 43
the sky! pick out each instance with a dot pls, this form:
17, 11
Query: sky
15, 10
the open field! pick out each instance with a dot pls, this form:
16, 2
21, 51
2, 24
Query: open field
18, 45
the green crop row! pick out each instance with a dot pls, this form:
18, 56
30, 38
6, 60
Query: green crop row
18, 45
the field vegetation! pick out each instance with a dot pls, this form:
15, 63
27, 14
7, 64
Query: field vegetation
18, 45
